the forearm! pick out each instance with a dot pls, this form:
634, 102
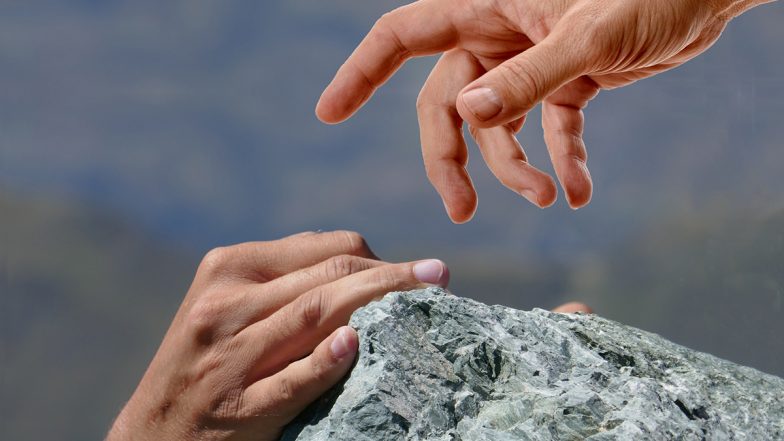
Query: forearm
729, 9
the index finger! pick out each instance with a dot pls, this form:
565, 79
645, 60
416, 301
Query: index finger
264, 261
294, 330
421, 28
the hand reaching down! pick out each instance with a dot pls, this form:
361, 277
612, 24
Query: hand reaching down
503, 57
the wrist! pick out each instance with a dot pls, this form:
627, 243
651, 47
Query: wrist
728, 9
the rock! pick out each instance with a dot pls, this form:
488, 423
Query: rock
433, 366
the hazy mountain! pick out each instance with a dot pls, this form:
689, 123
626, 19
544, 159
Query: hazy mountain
85, 301
136, 135
86, 298
196, 120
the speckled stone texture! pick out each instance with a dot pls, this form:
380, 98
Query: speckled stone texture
433, 366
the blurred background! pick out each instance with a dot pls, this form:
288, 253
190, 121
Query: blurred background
137, 135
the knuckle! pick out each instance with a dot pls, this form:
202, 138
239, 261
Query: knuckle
215, 261
388, 277
523, 80
383, 22
341, 266
312, 309
226, 404
432, 172
575, 149
385, 28
431, 100
204, 318
354, 242
441, 173
423, 100
287, 389
319, 370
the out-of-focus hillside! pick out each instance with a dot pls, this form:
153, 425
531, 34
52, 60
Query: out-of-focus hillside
86, 299
134, 135
196, 120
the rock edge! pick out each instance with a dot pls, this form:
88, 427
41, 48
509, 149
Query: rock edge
433, 366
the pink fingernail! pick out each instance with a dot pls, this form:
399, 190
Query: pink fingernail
432, 271
483, 103
343, 344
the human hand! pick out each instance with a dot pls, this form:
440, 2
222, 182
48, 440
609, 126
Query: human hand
502, 58
260, 335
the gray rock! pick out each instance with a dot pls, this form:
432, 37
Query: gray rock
438, 367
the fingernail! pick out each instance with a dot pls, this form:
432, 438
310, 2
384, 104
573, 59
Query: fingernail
531, 196
343, 344
483, 103
432, 271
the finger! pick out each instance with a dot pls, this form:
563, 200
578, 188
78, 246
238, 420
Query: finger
294, 330
265, 261
420, 28
513, 88
444, 149
574, 307
563, 122
259, 301
506, 159
281, 397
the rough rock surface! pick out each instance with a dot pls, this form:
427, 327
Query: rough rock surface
439, 367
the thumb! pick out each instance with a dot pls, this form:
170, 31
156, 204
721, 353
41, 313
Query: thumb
513, 88
275, 401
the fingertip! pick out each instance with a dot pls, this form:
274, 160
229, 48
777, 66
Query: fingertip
579, 195
345, 343
549, 194
432, 271
461, 207
543, 191
460, 218
574, 307
461, 215
445, 277
576, 182
341, 98
325, 111
578, 204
